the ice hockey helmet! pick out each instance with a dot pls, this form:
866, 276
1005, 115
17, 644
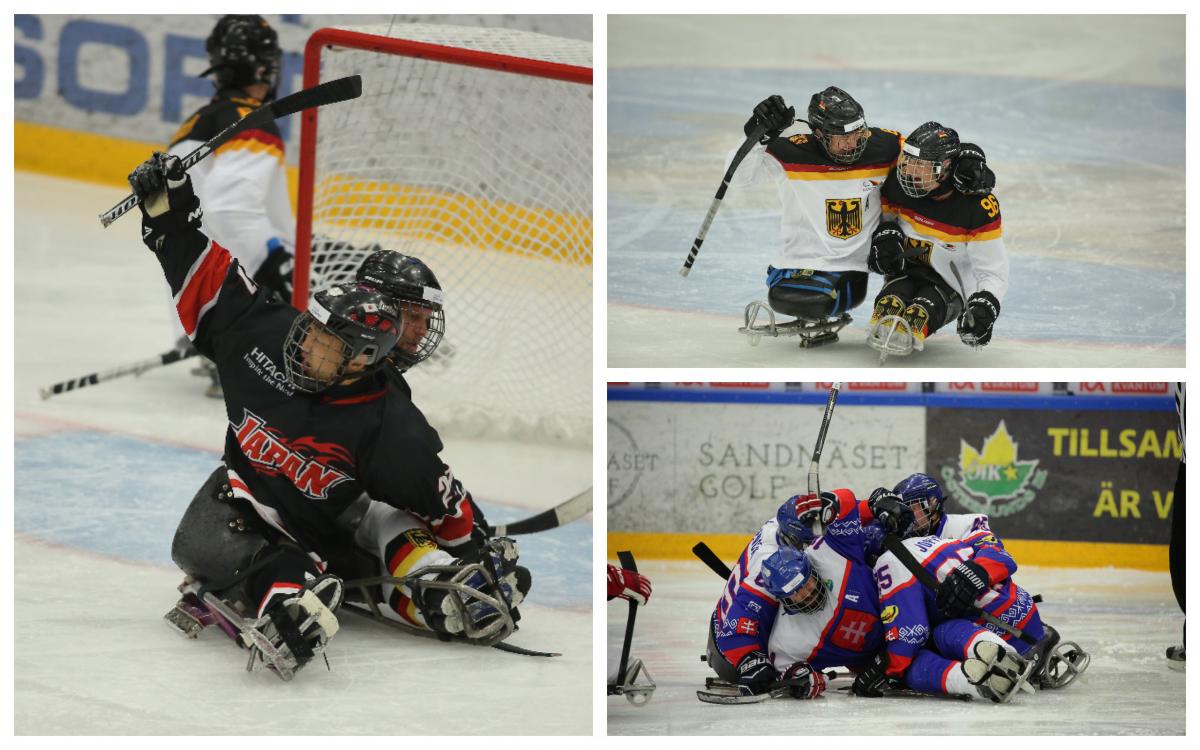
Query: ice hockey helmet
243, 50
787, 571
798, 530
365, 321
922, 491
408, 281
933, 143
833, 112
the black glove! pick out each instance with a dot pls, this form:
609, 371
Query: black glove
975, 323
893, 513
963, 585
887, 250
168, 203
755, 672
275, 273
972, 176
773, 114
871, 682
802, 682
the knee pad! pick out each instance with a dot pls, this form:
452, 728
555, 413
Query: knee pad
814, 295
217, 536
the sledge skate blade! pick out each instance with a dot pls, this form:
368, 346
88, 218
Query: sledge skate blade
812, 333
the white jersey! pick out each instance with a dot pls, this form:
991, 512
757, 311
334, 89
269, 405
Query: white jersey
242, 186
965, 526
845, 632
829, 209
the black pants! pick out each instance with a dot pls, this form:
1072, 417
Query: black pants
814, 295
925, 287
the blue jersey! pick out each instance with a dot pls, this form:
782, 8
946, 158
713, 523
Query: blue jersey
744, 615
909, 612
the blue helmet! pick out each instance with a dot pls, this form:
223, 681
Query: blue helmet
797, 530
921, 491
787, 572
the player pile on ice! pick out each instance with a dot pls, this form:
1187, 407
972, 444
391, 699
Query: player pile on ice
814, 590
856, 199
330, 470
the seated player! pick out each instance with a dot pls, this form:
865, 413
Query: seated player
315, 422
912, 616
828, 183
938, 246
741, 645
741, 622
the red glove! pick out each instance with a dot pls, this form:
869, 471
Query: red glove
806, 683
628, 584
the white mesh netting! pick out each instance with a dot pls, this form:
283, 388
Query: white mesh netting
487, 176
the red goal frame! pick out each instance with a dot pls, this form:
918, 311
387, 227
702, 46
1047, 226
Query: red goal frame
385, 45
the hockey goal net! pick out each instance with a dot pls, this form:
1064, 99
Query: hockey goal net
470, 148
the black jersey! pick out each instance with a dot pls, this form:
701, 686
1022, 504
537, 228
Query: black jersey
960, 233
225, 108
301, 459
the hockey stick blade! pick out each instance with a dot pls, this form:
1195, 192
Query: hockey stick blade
565, 512
709, 558
133, 368
330, 92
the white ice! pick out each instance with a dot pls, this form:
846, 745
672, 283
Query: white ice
1125, 619
1082, 118
104, 473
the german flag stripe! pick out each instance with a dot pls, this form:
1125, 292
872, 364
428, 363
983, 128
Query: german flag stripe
834, 172
403, 606
253, 141
202, 287
406, 558
948, 232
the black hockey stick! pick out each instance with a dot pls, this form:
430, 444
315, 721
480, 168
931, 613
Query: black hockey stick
133, 368
744, 149
627, 563
906, 558
709, 558
565, 512
814, 481
330, 92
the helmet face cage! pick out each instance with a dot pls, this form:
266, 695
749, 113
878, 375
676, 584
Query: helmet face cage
342, 324
243, 50
919, 177
921, 491
405, 356
826, 135
413, 285
925, 159
786, 572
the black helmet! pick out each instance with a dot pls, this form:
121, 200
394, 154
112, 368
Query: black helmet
834, 112
243, 50
342, 323
930, 144
408, 281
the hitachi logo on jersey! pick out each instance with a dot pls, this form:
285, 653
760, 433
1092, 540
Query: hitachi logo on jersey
271, 454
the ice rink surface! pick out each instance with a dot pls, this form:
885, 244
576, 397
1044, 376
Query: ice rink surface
1082, 119
1125, 619
103, 475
